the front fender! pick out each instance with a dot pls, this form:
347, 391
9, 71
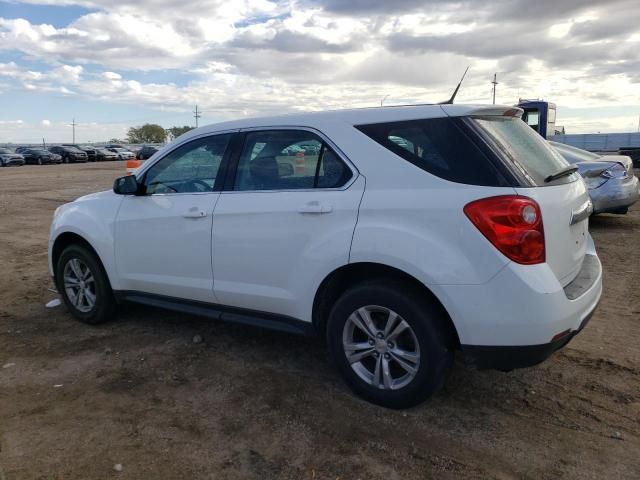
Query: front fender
92, 218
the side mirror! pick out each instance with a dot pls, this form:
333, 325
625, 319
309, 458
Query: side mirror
127, 185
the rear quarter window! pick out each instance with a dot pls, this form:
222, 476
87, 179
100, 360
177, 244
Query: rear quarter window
443, 147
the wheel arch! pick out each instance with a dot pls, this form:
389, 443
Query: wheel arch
65, 239
343, 277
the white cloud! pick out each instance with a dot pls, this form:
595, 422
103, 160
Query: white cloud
112, 76
46, 123
249, 57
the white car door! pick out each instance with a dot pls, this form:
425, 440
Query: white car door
287, 222
163, 238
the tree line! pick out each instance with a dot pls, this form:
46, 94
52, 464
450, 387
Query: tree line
153, 133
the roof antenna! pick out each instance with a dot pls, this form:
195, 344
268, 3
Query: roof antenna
455, 92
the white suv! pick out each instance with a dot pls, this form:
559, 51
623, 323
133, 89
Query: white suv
401, 234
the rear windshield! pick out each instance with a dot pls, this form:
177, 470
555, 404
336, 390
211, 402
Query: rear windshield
443, 147
524, 148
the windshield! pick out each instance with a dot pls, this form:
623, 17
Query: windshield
527, 151
5, 150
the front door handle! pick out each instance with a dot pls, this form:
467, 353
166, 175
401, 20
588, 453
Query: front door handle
315, 207
195, 212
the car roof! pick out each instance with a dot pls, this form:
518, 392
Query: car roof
356, 116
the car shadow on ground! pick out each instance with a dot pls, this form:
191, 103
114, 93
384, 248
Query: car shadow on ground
609, 222
304, 359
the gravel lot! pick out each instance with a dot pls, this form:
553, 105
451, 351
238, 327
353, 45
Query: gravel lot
245, 403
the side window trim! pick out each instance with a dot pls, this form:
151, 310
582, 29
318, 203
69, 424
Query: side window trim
235, 151
320, 154
239, 146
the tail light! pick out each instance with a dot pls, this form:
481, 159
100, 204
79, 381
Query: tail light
597, 179
513, 224
615, 171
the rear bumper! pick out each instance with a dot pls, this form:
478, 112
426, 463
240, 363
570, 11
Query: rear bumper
521, 356
523, 314
615, 194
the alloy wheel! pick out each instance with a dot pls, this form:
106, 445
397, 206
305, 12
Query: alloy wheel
381, 347
79, 285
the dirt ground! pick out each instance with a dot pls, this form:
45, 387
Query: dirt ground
250, 404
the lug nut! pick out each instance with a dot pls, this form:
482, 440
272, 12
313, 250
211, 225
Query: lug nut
390, 344
379, 335
371, 342
387, 356
376, 354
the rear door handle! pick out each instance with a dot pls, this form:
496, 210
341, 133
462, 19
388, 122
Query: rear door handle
315, 207
195, 212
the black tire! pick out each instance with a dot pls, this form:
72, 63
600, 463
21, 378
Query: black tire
104, 307
426, 326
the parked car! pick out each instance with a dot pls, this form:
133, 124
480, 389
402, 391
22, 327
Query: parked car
37, 156
8, 158
612, 185
89, 150
146, 152
122, 153
69, 154
102, 154
473, 236
57, 158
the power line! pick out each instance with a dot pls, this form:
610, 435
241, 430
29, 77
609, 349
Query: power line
197, 115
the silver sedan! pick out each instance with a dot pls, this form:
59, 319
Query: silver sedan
613, 187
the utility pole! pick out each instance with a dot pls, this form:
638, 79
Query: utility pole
73, 124
495, 82
197, 115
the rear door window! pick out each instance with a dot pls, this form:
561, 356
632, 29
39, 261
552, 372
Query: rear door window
288, 160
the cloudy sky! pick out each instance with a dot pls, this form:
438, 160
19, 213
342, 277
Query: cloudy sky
111, 64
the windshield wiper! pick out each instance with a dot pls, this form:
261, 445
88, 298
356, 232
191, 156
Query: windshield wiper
561, 173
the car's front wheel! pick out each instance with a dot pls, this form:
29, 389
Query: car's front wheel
84, 286
389, 344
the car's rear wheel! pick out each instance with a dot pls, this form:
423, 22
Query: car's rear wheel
389, 344
84, 286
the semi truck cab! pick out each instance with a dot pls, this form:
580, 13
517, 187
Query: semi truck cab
539, 115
